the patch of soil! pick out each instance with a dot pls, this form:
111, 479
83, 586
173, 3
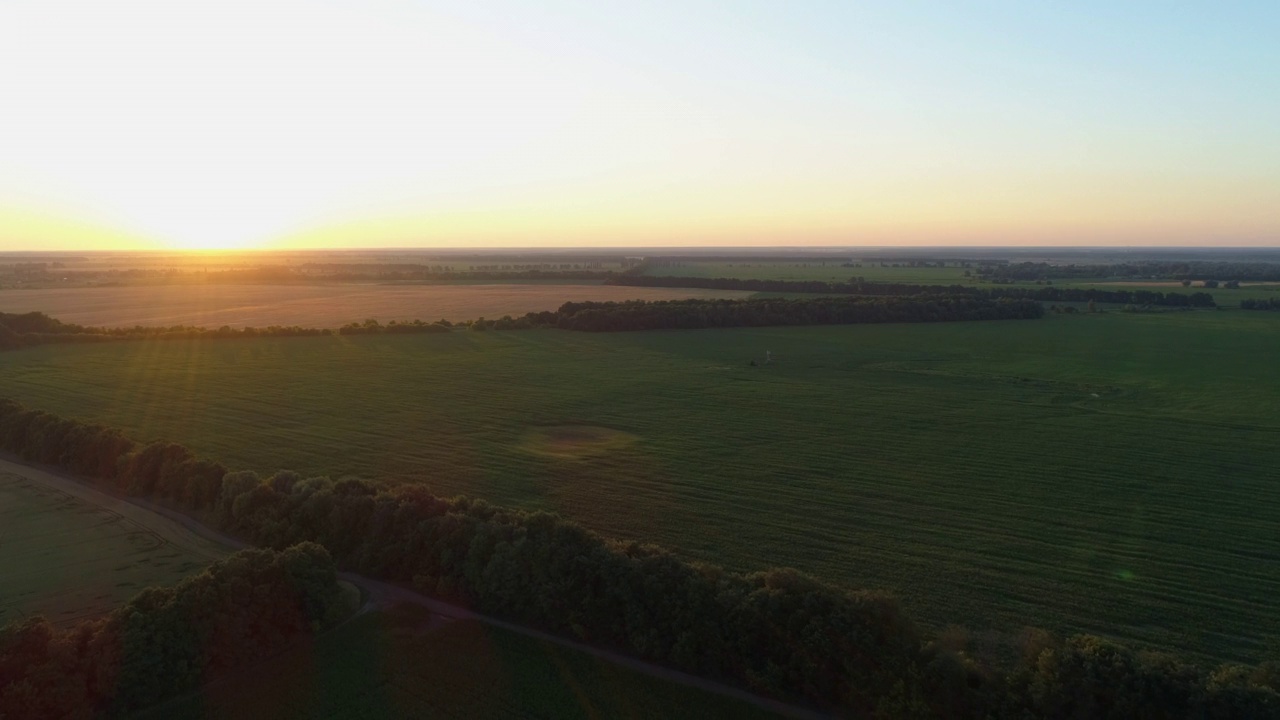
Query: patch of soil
575, 441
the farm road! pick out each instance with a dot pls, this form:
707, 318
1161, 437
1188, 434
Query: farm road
183, 531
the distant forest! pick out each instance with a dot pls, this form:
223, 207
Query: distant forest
1260, 304
1168, 270
687, 314
1040, 294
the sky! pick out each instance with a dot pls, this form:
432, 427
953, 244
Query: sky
383, 123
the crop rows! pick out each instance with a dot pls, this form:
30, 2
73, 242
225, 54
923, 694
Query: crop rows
1111, 474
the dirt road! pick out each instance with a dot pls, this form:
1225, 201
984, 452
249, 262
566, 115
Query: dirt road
184, 531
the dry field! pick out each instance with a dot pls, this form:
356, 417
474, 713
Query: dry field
314, 305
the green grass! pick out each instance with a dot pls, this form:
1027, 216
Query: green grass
383, 665
68, 559
1110, 473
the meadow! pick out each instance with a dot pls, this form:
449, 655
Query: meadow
325, 306
383, 665
67, 558
1111, 473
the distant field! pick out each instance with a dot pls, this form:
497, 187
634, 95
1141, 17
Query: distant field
1111, 473
829, 271
67, 558
314, 305
873, 272
1221, 296
382, 665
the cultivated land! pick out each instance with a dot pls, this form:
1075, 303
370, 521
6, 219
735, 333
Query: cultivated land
949, 275
67, 558
829, 271
314, 305
1110, 473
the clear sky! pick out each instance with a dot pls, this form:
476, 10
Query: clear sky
378, 124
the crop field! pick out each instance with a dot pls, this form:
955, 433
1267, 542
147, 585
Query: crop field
314, 305
873, 272
1113, 473
1222, 296
67, 558
828, 271
382, 665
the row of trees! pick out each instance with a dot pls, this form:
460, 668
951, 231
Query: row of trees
702, 313
1260, 304
36, 328
1040, 294
167, 641
28, 329
778, 633
689, 314
1172, 270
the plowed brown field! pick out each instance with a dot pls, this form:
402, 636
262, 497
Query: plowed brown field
314, 305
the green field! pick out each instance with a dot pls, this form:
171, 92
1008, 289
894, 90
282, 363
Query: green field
1110, 473
68, 559
382, 665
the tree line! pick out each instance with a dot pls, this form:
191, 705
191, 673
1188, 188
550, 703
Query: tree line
167, 641
690, 314
1260, 304
778, 632
18, 330
1173, 270
1039, 294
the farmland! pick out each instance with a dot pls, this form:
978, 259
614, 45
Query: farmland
1107, 473
68, 558
877, 272
314, 305
830, 271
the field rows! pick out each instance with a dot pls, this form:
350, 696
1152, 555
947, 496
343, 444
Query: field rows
969, 468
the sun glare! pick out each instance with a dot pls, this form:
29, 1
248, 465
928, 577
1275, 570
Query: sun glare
199, 245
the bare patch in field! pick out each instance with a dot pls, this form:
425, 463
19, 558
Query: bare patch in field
575, 441
324, 306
